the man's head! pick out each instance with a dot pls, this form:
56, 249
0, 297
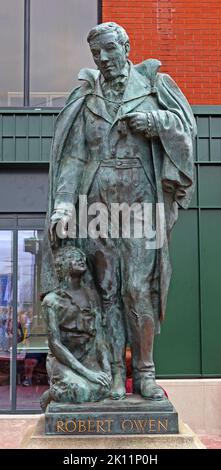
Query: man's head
109, 44
70, 261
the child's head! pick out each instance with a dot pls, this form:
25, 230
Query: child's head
70, 261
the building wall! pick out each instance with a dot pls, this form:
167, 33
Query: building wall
184, 34
195, 295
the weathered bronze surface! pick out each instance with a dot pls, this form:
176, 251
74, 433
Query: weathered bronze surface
133, 415
125, 136
78, 363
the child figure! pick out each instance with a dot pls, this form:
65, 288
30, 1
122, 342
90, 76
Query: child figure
77, 363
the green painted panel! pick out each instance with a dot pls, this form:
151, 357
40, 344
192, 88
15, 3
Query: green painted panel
45, 148
8, 147
194, 198
34, 126
177, 349
215, 126
210, 185
21, 125
1, 149
1, 125
203, 126
203, 149
211, 291
216, 149
21, 149
47, 125
34, 149
194, 150
8, 126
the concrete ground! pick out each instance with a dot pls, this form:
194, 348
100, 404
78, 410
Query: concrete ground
13, 428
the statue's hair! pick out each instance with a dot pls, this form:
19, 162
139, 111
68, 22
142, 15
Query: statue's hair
109, 27
67, 253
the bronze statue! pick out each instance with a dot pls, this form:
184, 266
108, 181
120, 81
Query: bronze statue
78, 363
125, 136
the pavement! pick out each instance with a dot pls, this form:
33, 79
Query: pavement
13, 428
211, 441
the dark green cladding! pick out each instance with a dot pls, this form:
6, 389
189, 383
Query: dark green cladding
25, 136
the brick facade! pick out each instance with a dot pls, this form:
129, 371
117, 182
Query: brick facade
184, 34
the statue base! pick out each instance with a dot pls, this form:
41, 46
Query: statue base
35, 438
134, 415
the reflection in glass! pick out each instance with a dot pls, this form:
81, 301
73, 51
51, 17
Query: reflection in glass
32, 348
11, 52
6, 313
58, 47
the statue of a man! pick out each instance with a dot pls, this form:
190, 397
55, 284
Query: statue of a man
125, 136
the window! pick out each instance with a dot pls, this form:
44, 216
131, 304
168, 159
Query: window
32, 343
58, 32
45, 49
11, 52
23, 339
6, 270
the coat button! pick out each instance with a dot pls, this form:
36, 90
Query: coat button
113, 151
118, 163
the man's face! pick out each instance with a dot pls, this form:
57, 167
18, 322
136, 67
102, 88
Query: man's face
109, 55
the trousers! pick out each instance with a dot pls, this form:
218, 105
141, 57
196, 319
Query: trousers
125, 271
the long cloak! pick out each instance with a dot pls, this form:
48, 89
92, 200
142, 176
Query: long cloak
172, 158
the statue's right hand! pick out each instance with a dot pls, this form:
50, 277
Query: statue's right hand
56, 217
61, 215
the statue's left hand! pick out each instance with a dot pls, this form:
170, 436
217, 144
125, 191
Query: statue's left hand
137, 121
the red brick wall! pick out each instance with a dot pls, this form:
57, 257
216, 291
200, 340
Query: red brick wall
184, 34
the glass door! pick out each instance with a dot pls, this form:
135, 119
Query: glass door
31, 337
23, 340
6, 316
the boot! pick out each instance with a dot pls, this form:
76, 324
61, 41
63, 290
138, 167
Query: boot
150, 390
142, 336
116, 338
118, 370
